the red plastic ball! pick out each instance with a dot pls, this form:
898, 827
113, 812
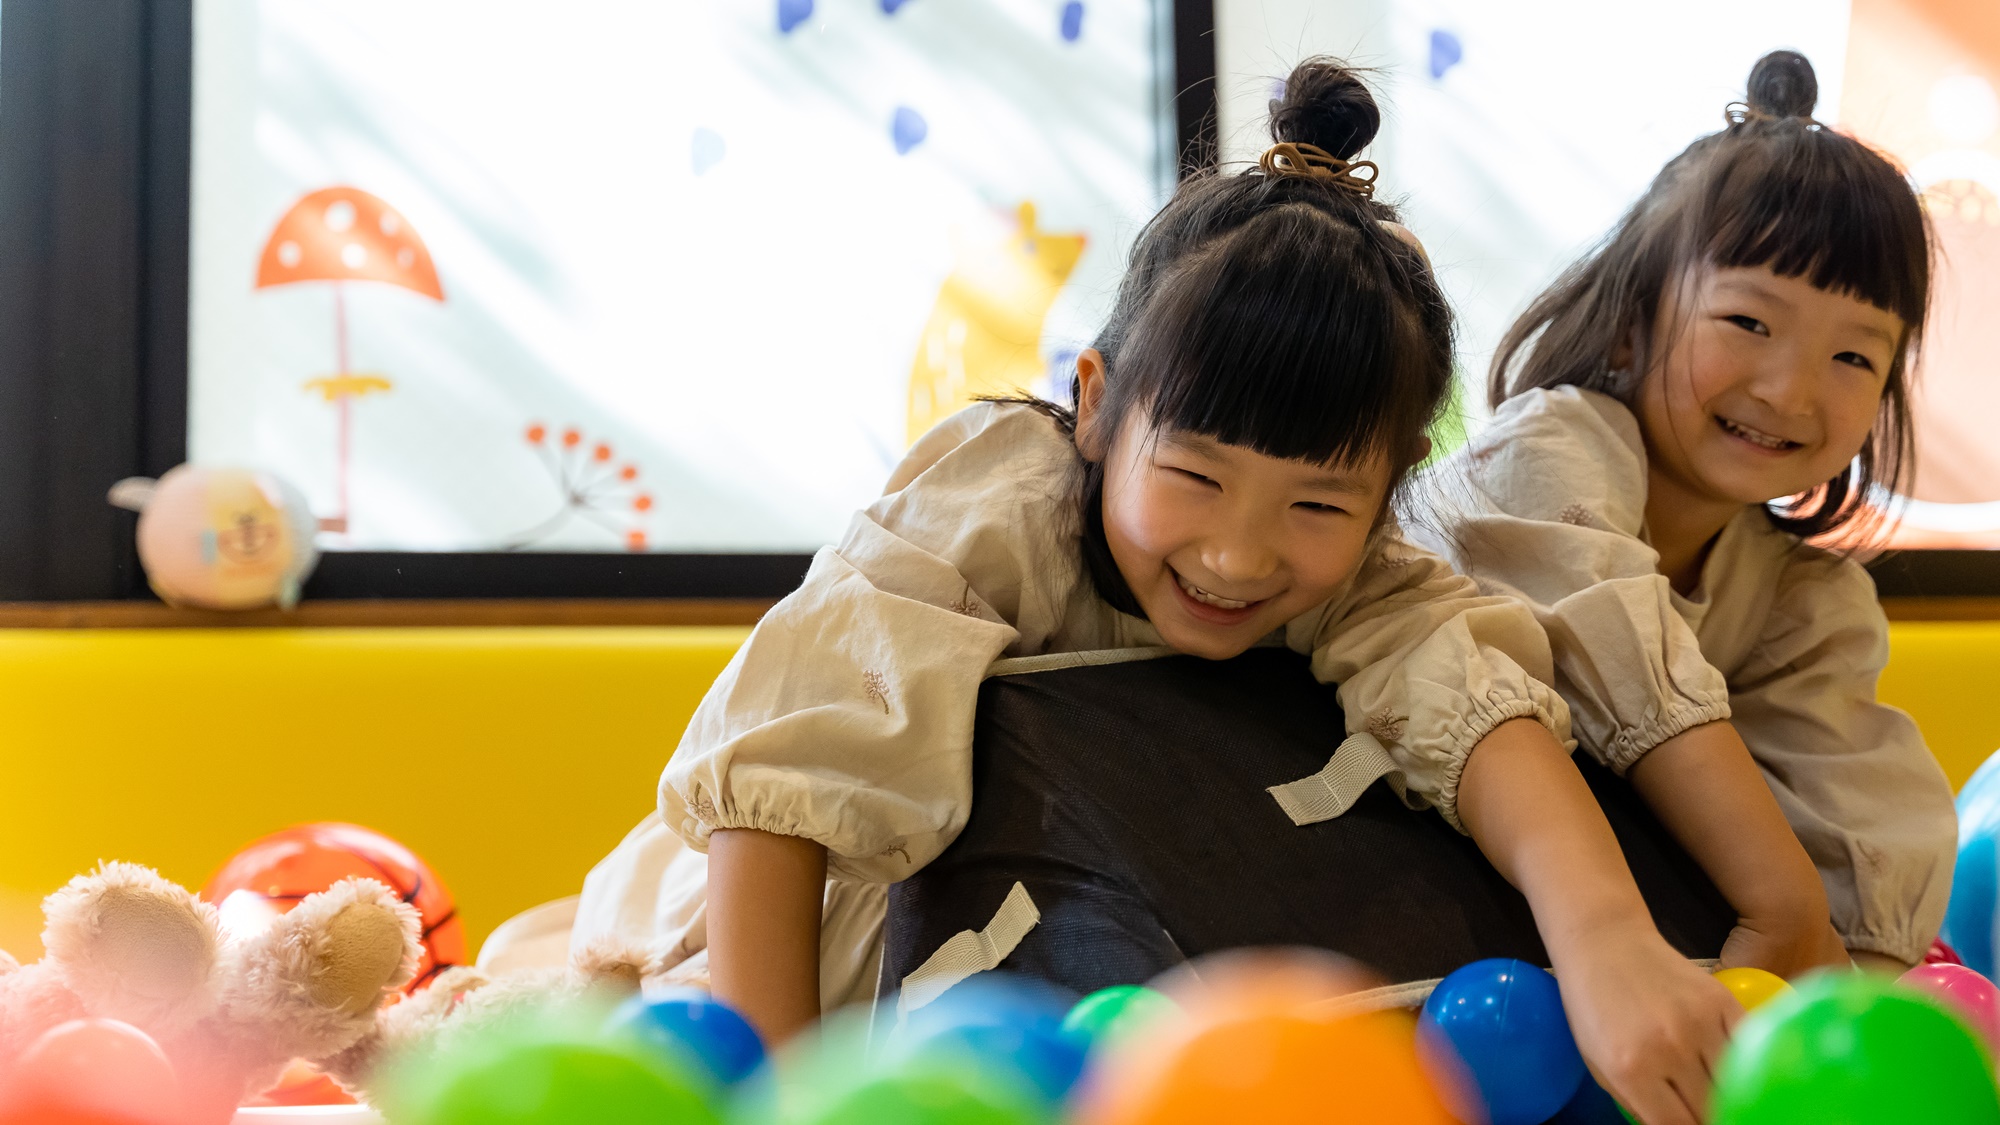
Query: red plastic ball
273, 874
94, 1069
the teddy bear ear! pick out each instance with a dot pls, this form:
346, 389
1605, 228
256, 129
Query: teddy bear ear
133, 946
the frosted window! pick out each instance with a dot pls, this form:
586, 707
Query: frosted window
626, 274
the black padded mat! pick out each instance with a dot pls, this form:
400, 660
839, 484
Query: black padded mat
1130, 800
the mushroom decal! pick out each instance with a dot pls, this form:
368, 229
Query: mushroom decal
338, 235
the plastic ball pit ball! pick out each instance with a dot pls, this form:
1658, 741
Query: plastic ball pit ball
1001, 1025
923, 1095
694, 1027
546, 1067
1751, 987
1971, 996
1502, 1021
1969, 919
1110, 1014
269, 877
1259, 1042
93, 1068
1851, 1049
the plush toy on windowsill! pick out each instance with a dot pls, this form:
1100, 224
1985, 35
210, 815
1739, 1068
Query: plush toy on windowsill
214, 538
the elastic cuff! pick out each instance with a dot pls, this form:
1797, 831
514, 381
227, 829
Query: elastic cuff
1904, 947
1633, 743
1471, 729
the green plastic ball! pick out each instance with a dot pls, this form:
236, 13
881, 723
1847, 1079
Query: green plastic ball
1111, 1013
945, 1096
1851, 1049
566, 1083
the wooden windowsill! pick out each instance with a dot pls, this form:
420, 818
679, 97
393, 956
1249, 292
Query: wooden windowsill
364, 613
578, 611
1942, 609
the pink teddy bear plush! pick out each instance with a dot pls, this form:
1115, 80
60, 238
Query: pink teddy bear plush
230, 1013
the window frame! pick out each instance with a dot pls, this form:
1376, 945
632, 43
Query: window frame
96, 107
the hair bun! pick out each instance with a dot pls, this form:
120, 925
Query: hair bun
1326, 105
1782, 84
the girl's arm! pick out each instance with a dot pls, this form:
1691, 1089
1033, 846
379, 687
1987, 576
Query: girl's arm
1706, 789
765, 895
1650, 1023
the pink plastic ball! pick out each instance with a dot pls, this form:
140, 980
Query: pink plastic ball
226, 539
97, 1067
1971, 996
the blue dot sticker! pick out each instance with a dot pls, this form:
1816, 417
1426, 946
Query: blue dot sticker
706, 150
908, 129
792, 13
1446, 52
1072, 21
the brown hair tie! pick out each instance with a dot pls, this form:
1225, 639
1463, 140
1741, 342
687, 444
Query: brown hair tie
1313, 162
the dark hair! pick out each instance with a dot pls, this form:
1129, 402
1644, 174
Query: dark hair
1774, 189
1273, 312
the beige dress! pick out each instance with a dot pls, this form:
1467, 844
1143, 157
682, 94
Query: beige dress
1783, 639
847, 717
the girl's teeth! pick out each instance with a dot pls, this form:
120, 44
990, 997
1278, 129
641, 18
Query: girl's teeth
1755, 437
1206, 598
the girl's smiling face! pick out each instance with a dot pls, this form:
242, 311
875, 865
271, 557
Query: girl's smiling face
1221, 544
1764, 386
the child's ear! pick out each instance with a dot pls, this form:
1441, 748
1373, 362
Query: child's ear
1627, 351
1090, 389
1424, 448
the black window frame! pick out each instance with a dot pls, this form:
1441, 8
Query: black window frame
96, 105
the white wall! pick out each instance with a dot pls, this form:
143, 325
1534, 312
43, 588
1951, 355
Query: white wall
1559, 112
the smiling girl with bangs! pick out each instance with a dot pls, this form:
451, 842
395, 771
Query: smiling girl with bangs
1263, 385
1724, 379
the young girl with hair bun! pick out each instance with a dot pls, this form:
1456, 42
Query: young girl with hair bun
1677, 419
1277, 350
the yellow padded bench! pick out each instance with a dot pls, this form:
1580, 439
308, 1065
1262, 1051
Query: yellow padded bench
512, 759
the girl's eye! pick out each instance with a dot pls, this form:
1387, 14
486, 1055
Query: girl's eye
1312, 506
1855, 359
1749, 324
1194, 476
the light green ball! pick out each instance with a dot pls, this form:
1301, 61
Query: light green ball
1852, 1049
1110, 1014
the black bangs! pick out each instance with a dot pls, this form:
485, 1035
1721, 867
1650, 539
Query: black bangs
1801, 205
1271, 338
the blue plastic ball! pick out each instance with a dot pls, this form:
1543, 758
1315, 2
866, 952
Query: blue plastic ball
692, 1026
1969, 919
1002, 1025
1502, 1022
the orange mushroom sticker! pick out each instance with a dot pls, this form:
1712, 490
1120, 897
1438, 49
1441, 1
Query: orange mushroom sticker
346, 234
338, 235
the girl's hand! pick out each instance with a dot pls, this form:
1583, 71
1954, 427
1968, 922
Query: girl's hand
1783, 950
1651, 1024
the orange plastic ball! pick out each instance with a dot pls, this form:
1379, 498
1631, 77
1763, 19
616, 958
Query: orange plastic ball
1273, 1067
273, 874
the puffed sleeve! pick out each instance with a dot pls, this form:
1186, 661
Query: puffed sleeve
1550, 502
846, 718
1853, 776
1429, 666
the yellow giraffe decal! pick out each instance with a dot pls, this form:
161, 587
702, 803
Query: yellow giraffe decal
984, 335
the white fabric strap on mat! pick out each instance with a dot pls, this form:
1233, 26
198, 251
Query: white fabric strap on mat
1356, 764
970, 951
